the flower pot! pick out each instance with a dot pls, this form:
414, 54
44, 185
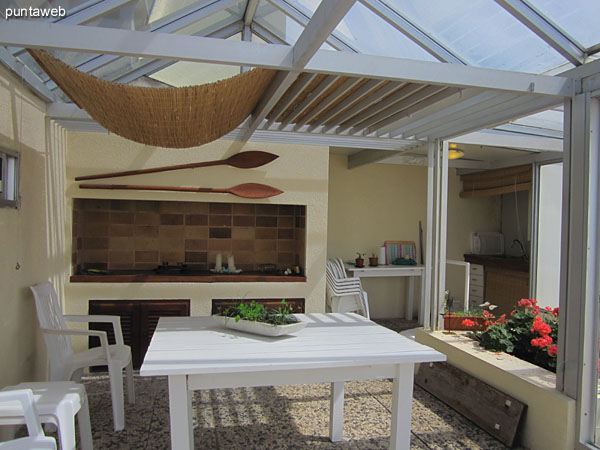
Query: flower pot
359, 262
373, 261
455, 322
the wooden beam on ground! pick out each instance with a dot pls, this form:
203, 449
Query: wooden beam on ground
495, 412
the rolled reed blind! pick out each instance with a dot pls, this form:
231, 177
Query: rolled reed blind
496, 182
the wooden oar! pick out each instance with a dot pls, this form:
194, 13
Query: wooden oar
244, 160
246, 190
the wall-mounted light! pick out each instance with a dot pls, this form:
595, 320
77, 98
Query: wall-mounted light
454, 152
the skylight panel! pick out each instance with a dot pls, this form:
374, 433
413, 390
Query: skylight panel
578, 18
370, 34
481, 32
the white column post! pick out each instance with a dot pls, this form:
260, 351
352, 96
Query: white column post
577, 369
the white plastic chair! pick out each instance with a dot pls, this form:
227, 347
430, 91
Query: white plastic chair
344, 294
66, 365
57, 402
22, 401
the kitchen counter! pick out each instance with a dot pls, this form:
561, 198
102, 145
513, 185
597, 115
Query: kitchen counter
505, 280
192, 276
499, 262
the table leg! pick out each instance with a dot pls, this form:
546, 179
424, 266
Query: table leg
180, 409
336, 412
410, 298
402, 394
422, 300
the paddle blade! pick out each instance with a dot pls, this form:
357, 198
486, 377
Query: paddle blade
249, 160
254, 190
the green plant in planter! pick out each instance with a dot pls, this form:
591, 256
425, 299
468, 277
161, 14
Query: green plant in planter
256, 312
528, 332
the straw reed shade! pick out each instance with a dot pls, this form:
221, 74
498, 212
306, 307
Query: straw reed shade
165, 117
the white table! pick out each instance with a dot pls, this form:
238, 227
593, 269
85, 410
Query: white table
196, 353
388, 270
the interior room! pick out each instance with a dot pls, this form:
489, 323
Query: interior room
380, 166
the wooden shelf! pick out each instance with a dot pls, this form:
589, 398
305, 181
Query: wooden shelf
146, 277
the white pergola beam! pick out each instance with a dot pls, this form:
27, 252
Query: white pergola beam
428, 72
292, 94
250, 11
335, 39
362, 109
411, 125
191, 48
365, 157
158, 64
310, 98
324, 20
494, 138
170, 24
359, 93
26, 74
485, 104
413, 32
405, 98
384, 126
538, 23
497, 116
327, 101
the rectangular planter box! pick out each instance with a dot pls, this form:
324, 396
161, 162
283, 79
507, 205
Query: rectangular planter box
453, 322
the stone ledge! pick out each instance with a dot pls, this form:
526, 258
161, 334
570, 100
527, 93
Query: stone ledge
549, 422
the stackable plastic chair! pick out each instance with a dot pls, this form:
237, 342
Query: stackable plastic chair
22, 404
66, 365
344, 294
57, 402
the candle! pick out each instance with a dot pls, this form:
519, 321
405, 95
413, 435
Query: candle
219, 262
230, 263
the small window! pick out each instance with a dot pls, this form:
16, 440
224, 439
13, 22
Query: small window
9, 179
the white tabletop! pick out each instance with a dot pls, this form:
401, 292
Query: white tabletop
198, 345
385, 268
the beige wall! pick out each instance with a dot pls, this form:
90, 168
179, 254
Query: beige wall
300, 171
378, 202
32, 236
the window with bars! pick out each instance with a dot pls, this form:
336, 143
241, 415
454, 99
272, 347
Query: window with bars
9, 179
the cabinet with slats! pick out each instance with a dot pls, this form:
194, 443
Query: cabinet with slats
476, 286
138, 321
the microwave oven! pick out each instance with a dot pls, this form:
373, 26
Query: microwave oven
487, 243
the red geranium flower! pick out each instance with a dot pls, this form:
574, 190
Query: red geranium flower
552, 350
468, 323
541, 327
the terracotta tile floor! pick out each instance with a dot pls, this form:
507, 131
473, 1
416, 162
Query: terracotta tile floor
283, 417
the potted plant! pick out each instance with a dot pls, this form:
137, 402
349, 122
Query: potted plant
255, 318
528, 332
373, 260
360, 260
473, 320
470, 320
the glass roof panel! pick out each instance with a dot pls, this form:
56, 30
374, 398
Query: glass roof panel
360, 28
369, 34
482, 32
578, 18
185, 73
277, 22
